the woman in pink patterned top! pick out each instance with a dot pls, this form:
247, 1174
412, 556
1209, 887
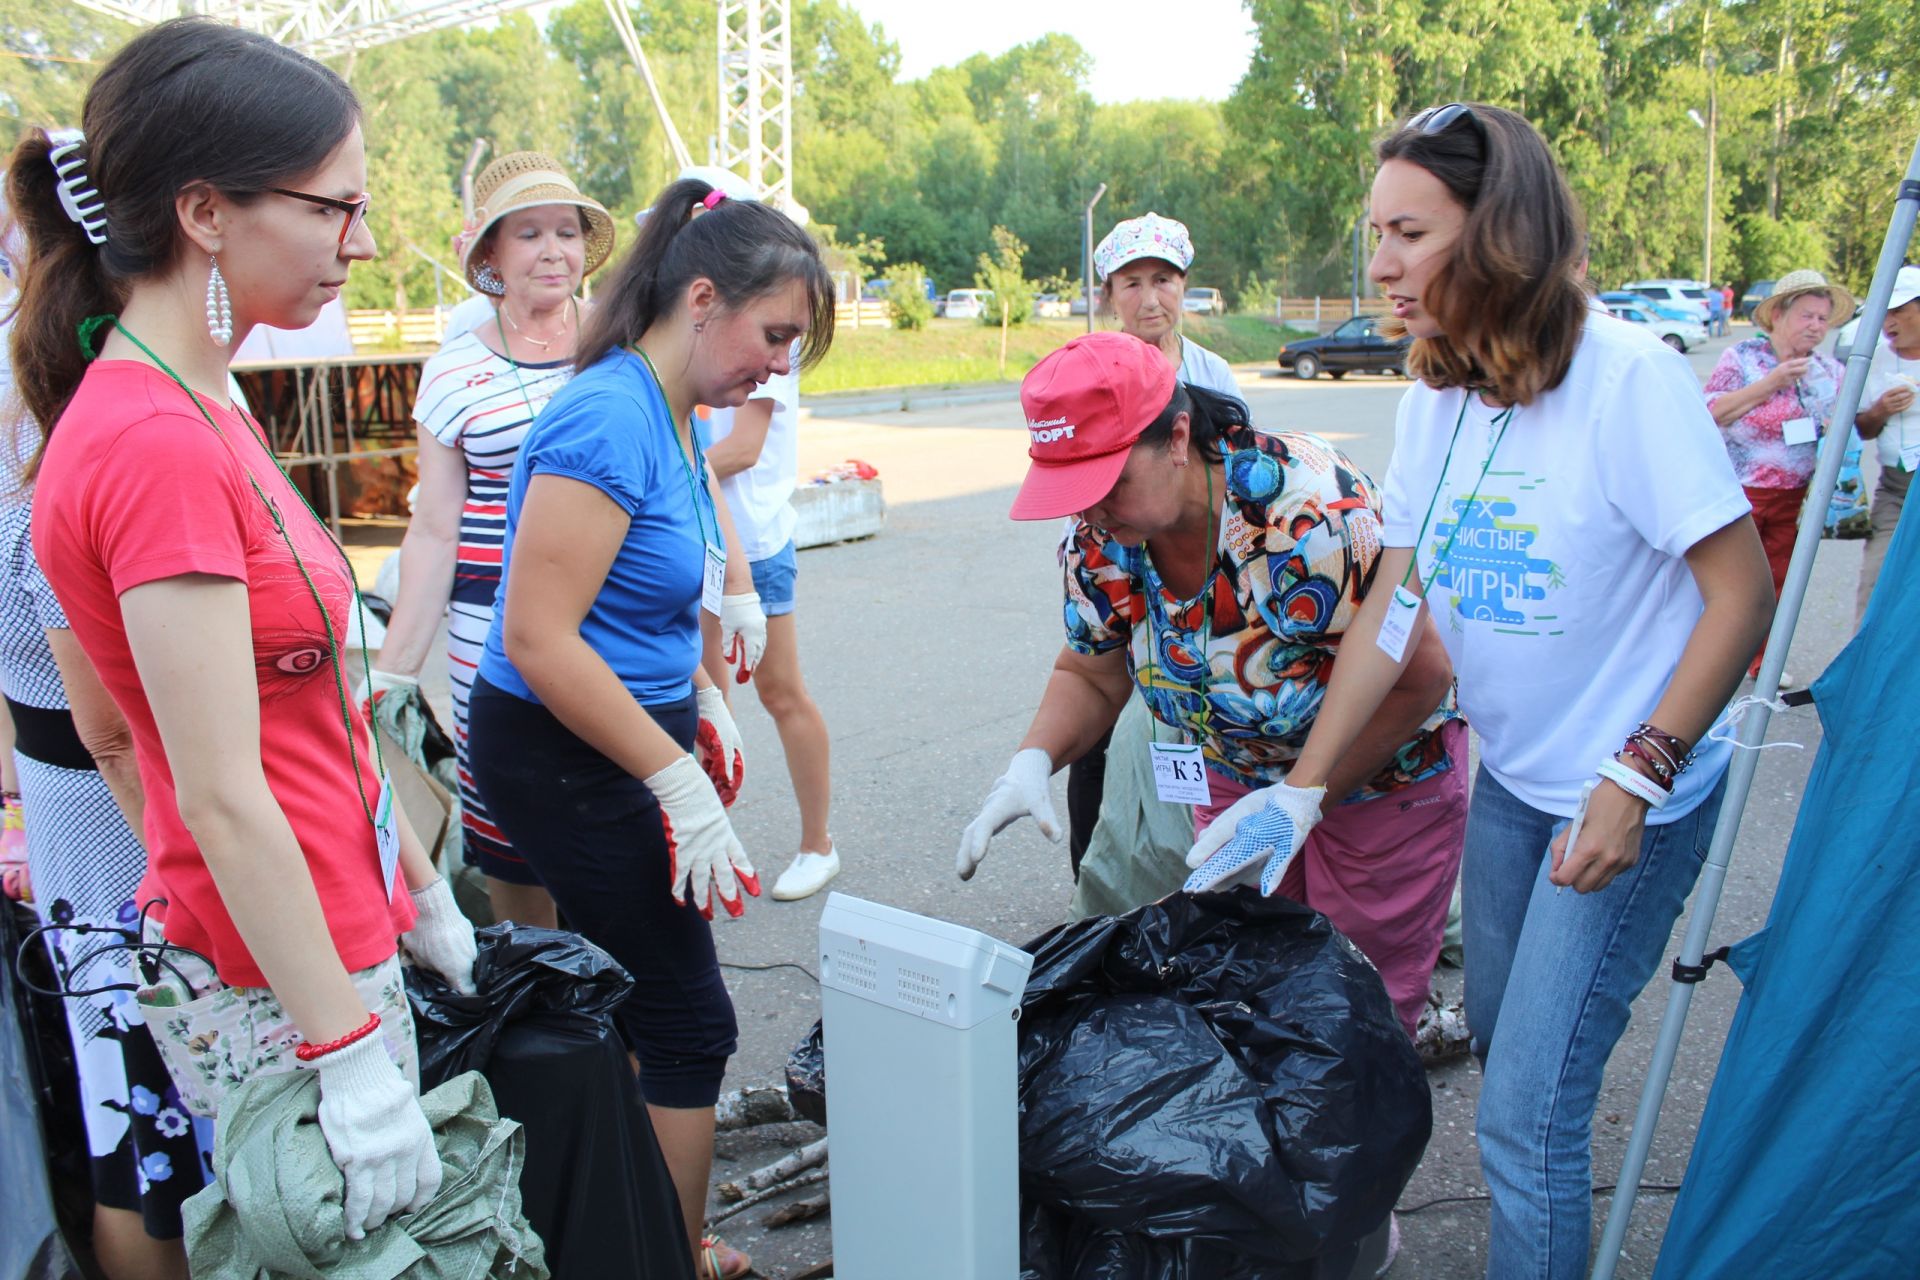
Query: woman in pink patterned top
1772, 397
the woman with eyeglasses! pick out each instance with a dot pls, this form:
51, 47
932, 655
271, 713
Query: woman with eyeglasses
219, 185
1560, 499
536, 239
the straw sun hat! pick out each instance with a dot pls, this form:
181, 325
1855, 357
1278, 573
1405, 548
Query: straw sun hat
522, 180
1791, 286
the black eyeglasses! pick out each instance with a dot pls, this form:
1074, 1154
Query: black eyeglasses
1439, 119
356, 210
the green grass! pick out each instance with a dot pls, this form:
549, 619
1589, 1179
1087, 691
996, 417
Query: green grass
950, 352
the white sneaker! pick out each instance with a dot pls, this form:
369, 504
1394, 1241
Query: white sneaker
806, 875
1786, 681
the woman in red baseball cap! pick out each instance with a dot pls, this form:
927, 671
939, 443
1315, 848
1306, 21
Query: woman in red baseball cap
1217, 567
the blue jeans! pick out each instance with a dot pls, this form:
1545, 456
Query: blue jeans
1551, 979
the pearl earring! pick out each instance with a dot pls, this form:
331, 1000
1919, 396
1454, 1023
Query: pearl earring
219, 306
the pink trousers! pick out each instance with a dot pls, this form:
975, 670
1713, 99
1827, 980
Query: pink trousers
1382, 870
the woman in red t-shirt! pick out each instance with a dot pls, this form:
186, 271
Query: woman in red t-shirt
220, 184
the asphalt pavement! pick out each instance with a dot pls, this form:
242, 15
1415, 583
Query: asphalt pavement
926, 648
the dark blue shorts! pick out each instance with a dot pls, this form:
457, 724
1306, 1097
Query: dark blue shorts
592, 831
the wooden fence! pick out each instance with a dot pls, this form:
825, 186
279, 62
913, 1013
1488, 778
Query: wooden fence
1325, 312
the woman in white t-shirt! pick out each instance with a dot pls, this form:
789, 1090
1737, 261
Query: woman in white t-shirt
1560, 497
1890, 418
536, 239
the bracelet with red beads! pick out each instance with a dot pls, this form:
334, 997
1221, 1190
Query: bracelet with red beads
310, 1052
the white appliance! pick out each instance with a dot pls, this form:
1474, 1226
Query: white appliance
922, 1094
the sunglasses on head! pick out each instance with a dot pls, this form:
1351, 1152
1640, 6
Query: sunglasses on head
1439, 119
355, 209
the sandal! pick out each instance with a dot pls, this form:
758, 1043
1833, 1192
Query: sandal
721, 1261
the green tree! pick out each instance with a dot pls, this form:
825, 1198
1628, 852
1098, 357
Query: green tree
1002, 272
907, 300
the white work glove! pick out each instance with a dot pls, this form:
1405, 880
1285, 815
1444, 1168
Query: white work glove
377, 1134
381, 682
717, 746
743, 633
442, 939
1268, 825
1020, 792
706, 856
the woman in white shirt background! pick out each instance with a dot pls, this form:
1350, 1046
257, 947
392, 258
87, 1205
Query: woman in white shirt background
1888, 418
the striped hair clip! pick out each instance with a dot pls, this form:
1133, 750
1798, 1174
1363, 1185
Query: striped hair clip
77, 195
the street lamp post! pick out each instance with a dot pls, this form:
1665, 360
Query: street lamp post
1086, 245
1711, 126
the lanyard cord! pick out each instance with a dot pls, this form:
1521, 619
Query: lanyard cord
1503, 421
1157, 605
696, 478
326, 621
506, 349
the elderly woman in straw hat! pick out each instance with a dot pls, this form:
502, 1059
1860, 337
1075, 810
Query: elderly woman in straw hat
532, 239
1772, 397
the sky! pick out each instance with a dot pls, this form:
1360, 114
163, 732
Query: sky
1201, 55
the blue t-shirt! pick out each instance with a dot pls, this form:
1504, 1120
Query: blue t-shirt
611, 428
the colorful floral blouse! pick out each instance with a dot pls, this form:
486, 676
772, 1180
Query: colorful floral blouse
1297, 550
1762, 458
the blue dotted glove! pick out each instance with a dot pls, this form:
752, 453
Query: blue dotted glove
1262, 830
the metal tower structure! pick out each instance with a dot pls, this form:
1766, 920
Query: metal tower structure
756, 96
322, 28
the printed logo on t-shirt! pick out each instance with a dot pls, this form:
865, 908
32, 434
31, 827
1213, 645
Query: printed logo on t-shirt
1491, 570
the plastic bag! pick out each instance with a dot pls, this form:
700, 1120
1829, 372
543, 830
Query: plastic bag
522, 973
541, 1030
807, 1077
1212, 1087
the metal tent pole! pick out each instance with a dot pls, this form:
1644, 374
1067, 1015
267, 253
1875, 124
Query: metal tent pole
1753, 726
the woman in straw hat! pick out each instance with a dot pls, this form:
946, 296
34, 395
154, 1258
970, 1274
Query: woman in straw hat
1772, 396
531, 241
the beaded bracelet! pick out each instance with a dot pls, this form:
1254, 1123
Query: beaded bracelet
1673, 748
1640, 750
1634, 783
309, 1052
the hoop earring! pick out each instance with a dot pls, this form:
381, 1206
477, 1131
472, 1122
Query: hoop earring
489, 280
219, 306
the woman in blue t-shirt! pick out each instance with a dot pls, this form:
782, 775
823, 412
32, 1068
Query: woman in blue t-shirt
598, 742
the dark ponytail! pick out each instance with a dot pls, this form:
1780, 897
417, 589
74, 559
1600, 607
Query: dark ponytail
747, 249
1209, 416
187, 101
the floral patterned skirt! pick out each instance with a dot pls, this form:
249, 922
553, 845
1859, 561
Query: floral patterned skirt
222, 1036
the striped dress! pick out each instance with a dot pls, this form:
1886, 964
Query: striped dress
476, 401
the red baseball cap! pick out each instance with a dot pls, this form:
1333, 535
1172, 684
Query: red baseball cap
1086, 404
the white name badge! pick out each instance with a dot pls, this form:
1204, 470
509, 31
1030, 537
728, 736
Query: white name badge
713, 583
1180, 773
1800, 431
1397, 627
386, 834
1910, 457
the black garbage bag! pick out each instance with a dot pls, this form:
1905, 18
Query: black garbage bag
540, 1028
807, 1077
1212, 1087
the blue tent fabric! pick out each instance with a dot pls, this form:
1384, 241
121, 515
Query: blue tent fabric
1808, 1157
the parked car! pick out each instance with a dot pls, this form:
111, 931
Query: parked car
1682, 335
1051, 306
967, 304
1078, 307
1678, 292
1204, 302
1666, 310
1357, 345
1757, 292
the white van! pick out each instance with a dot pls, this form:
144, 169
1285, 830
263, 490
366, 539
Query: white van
968, 304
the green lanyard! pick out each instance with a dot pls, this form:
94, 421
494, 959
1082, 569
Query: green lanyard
1503, 421
87, 329
696, 481
506, 349
1206, 618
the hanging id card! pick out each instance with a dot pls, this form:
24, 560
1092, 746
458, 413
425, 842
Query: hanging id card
386, 834
1910, 457
713, 582
1799, 431
1180, 773
1397, 627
